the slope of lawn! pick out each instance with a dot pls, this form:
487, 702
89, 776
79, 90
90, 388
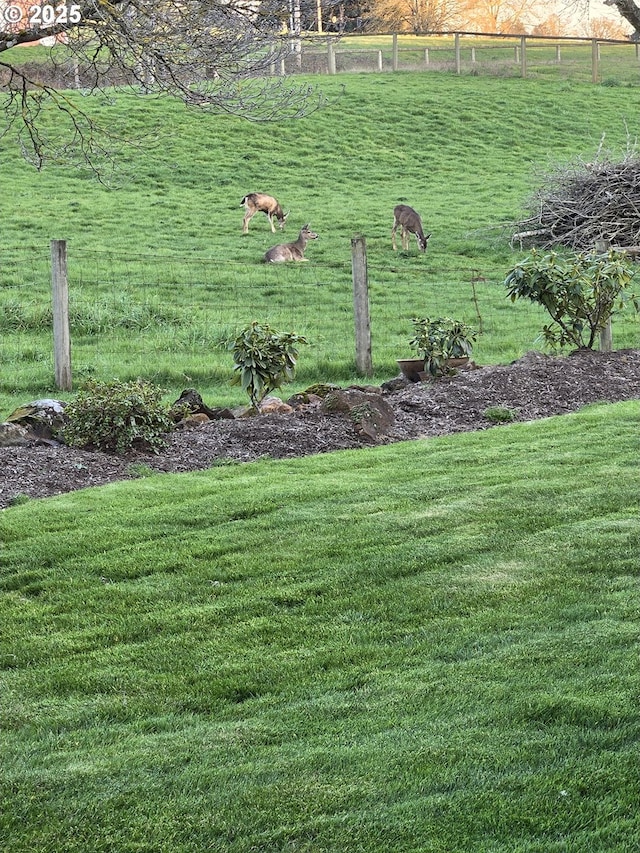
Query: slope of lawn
430, 646
160, 273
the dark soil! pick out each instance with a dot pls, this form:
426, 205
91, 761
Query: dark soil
536, 386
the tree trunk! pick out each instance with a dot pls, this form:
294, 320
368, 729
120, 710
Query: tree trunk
629, 10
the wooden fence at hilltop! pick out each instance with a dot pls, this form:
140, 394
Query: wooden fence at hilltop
598, 60
605, 61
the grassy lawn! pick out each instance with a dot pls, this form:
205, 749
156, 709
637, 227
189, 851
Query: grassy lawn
430, 646
159, 270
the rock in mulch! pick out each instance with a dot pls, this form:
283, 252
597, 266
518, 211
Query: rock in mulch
371, 415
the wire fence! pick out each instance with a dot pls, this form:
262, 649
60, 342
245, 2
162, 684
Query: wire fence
605, 61
168, 317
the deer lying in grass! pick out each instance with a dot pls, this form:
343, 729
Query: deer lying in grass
409, 222
260, 202
291, 251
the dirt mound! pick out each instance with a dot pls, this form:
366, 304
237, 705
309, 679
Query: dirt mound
535, 386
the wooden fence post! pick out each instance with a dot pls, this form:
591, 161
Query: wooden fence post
364, 364
523, 56
60, 298
331, 56
394, 59
456, 43
595, 53
606, 335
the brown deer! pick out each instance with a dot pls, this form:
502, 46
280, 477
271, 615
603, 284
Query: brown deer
291, 251
260, 202
409, 222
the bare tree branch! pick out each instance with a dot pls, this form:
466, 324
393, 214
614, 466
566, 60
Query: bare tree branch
214, 54
582, 203
630, 11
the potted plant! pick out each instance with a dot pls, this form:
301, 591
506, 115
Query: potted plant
443, 343
411, 368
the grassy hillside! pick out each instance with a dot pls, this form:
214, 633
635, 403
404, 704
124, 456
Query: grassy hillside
428, 647
423, 647
160, 272
463, 150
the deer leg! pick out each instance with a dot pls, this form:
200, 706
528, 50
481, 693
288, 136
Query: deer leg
393, 236
245, 221
270, 218
405, 239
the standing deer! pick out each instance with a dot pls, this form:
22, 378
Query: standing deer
409, 222
291, 251
256, 202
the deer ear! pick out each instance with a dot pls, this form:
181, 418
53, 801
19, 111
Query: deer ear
284, 215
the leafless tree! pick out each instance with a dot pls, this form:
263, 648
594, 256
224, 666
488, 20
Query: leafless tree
418, 16
501, 16
212, 54
628, 9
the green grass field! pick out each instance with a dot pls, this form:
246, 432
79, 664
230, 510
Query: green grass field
430, 646
558, 60
160, 272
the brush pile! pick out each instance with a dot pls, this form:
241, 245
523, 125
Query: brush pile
585, 203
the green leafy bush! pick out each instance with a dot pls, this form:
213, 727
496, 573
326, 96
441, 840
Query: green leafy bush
500, 414
580, 292
118, 416
440, 339
264, 358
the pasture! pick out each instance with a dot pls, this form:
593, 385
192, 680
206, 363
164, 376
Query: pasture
559, 59
429, 647
160, 272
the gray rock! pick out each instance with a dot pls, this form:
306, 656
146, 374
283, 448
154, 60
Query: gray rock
13, 435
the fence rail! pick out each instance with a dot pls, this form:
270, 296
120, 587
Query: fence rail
597, 60
606, 61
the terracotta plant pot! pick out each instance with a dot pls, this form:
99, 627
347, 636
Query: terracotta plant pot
458, 363
411, 368
452, 366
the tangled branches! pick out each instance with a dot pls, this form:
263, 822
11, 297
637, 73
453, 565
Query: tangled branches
583, 204
217, 55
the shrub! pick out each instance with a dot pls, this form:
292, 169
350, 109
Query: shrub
117, 416
500, 414
439, 340
264, 358
579, 292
